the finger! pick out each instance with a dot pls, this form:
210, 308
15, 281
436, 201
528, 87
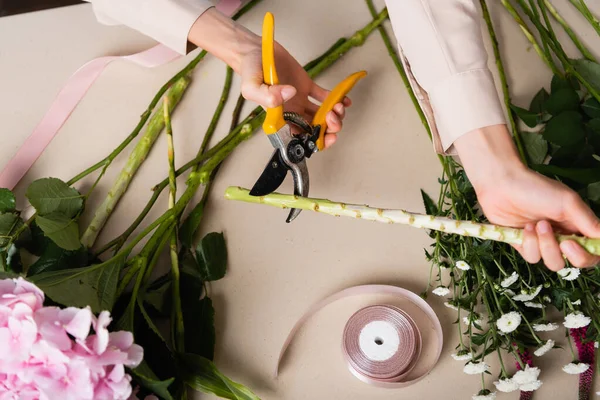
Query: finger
318, 93
577, 255
530, 247
334, 123
579, 214
340, 110
330, 139
268, 96
549, 249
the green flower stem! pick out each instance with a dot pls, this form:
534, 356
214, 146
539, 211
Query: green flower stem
529, 35
136, 158
585, 11
582, 48
235, 116
177, 329
135, 267
421, 221
503, 80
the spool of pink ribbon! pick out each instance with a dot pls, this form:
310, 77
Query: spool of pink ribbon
382, 343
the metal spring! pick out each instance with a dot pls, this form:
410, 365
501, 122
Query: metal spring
298, 120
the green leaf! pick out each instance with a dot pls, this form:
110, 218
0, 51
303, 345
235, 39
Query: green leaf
7, 200
149, 321
559, 83
64, 231
565, 129
589, 71
536, 147
593, 192
202, 375
580, 175
562, 100
530, 119
148, 379
190, 225
430, 207
591, 107
559, 296
93, 286
211, 257
53, 196
160, 299
538, 103
9, 224
55, 258
10, 260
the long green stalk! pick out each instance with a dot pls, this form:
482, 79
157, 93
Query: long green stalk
503, 80
177, 329
556, 15
421, 221
136, 158
585, 11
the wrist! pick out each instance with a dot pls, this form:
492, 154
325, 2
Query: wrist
224, 38
489, 155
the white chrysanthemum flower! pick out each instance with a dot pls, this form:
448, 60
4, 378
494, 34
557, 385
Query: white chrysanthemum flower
544, 348
475, 368
545, 327
576, 368
547, 299
531, 304
596, 345
509, 322
576, 302
506, 385
462, 265
576, 320
463, 355
509, 292
472, 319
451, 305
441, 291
530, 386
527, 375
569, 274
489, 396
510, 280
528, 296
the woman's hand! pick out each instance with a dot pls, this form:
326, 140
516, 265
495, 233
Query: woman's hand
512, 195
242, 51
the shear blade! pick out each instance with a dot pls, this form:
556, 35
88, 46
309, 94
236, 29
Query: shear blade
271, 178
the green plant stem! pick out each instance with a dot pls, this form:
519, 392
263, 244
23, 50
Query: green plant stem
529, 35
235, 137
136, 158
556, 15
235, 116
177, 328
503, 80
585, 11
421, 221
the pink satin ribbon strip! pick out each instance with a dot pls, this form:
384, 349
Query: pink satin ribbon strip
71, 94
390, 374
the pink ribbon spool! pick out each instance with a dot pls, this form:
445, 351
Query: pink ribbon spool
381, 343
409, 344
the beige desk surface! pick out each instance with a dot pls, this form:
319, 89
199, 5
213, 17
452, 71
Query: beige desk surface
276, 271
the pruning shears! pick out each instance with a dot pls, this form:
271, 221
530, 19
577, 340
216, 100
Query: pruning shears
291, 151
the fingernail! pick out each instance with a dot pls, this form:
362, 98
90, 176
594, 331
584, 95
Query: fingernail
287, 93
544, 227
529, 227
338, 108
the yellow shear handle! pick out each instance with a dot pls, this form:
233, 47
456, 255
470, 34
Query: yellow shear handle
274, 120
335, 96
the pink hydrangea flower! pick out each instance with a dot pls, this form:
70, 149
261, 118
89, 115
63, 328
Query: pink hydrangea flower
48, 352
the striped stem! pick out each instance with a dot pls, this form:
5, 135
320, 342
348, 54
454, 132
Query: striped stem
388, 216
582, 48
585, 11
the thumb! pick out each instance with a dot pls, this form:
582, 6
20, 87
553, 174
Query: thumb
584, 219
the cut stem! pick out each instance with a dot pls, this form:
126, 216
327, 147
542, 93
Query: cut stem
136, 158
421, 221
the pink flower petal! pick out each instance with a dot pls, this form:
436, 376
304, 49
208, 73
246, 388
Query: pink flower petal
121, 339
117, 373
79, 323
100, 325
135, 355
24, 286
